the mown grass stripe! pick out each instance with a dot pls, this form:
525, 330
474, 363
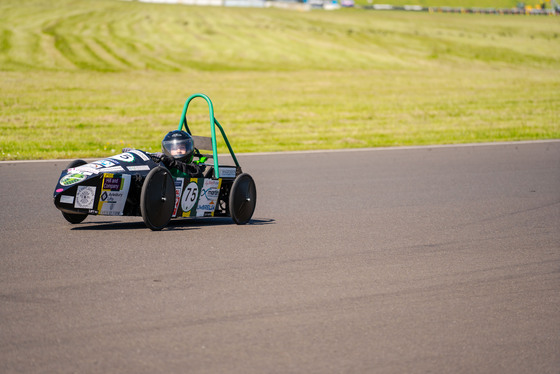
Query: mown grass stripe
90, 78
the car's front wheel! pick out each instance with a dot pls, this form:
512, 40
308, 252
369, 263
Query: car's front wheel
242, 199
157, 198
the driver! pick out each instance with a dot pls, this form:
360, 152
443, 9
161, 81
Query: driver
178, 151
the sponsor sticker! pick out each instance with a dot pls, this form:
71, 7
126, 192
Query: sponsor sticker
85, 169
112, 184
85, 197
178, 190
208, 197
125, 157
102, 164
73, 178
67, 199
113, 194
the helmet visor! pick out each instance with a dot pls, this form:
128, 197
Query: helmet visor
178, 148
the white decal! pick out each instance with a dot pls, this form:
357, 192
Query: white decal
113, 169
67, 199
83, 170
138, 168
208, 197
102, 164
113, 196
178, 189
140, 154
85, 197
189, 197
126, 157
226, 172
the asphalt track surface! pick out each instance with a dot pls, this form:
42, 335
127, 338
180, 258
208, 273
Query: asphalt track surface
428, 260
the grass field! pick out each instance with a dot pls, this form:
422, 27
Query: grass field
85, 78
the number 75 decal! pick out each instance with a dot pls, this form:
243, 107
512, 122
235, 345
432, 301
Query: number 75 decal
190, 196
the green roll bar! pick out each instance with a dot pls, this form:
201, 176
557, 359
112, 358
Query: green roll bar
213, 123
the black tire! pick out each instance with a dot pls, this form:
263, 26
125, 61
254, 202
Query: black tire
242, 199
157, 198
75, 218
76, 163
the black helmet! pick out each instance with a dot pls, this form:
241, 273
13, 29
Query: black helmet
178, 145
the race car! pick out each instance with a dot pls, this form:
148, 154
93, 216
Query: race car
133, 184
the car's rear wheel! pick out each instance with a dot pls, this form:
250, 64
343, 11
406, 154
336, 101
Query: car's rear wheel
157, 198
242, 199
75, 218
